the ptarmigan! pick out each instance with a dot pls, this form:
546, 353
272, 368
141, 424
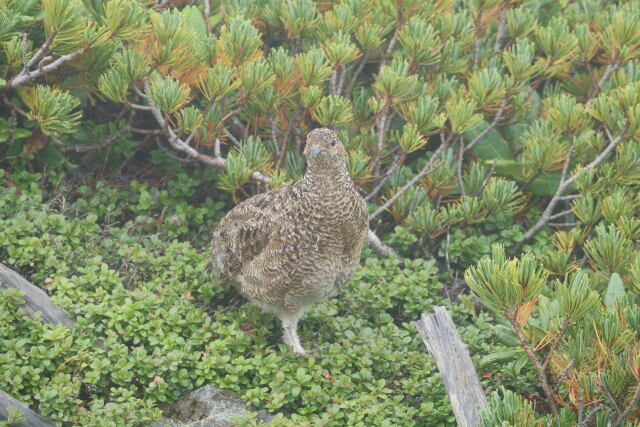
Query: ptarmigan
298, 244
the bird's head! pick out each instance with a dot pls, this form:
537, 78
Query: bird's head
325, 151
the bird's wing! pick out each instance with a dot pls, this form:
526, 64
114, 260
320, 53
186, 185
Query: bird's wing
356, 234
245, 231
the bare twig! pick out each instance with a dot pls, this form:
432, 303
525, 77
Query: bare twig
42, 51
14, 107
146, 131
486, 179
377, 245
390, 46
502, 28
207, 15
427, 169
361, 65
632, 404
232, 137
611, 400
476, 51
494, 123
381, 124
460, 158
394, 167
590, 414
333, 81
105, 143
611, 67
25, 75
477, 45
580, 406
546, 215
562, 224
556, 341
343, 76
139, 107
25, 39
566, 182
216, 147
526, 185
171, 155
542, 375
560, 214
180, 145
563, 374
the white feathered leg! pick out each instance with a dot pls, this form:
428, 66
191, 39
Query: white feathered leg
290, 327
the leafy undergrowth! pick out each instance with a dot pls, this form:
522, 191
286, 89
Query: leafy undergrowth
131, 278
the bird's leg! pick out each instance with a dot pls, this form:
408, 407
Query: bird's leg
290, 337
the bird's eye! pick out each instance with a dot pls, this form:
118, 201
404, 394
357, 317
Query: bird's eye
333, 142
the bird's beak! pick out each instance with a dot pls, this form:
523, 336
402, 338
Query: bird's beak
315, 151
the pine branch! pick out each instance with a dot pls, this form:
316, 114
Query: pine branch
26, 76
105, 143
477, 44
562, 224
611, 67
459, 168
14, 107
611, 399
492, 125
555, 343
25, 38
427, 169
560, 214
183, 146
42, 51
390, 46
207, 15
341, 80
591, 413
146, 131
632, 404
502, 28
361, 65
526, 185
377, 245
394, 167
333, 81
381, 124
564, 184
542, 375
563, 375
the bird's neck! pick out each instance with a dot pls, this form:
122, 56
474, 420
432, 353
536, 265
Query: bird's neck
330, 178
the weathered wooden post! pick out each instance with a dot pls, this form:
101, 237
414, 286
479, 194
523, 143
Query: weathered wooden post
35, 299
454, 363
31, 418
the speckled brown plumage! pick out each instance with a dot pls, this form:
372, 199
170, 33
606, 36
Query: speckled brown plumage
299, 243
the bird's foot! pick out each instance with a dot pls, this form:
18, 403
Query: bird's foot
298, 350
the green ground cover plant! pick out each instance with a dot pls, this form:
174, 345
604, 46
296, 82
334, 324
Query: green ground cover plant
166, 326
496, 142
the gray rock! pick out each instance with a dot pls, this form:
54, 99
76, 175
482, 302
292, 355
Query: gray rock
208, 406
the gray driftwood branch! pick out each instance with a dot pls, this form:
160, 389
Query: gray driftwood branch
454, 363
